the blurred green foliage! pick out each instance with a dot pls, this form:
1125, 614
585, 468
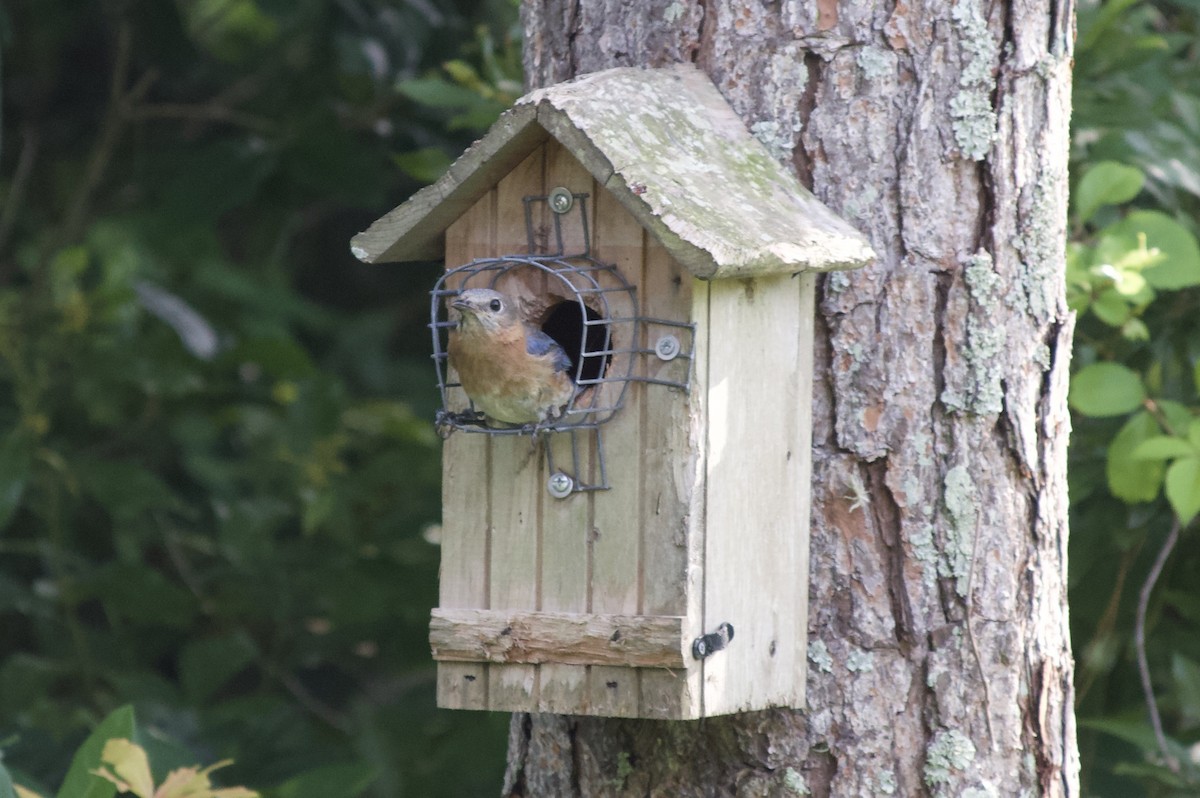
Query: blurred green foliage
217, 469
1133, 273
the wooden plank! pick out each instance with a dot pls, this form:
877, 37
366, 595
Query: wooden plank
466, 529
506, 636
671, 510
516, 475
801, 437
616, 535
566, 523
756, 535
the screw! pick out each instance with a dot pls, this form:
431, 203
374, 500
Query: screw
561, 200
560, 485
667, 347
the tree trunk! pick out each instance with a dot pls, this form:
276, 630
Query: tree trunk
939, 658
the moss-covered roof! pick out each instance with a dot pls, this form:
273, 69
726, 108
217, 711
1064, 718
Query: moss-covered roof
671, 150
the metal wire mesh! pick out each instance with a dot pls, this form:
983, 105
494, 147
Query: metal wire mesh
592, 311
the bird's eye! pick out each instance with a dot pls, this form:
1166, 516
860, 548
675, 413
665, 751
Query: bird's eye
495, 305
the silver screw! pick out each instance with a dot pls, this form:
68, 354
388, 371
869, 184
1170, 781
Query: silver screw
667, 347
560, 485
561, 200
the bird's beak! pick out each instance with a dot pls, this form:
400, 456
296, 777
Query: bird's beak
461, 304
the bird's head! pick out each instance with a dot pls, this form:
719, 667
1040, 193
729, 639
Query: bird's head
489, 309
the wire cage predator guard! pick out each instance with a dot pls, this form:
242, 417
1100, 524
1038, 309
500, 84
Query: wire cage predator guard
591, 311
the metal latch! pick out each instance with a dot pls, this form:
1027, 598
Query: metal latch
704, 645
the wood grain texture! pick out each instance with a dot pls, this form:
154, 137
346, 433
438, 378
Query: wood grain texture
672, 498
756, 525
937, 577
466, 523
516, 484
570, 640
615, 557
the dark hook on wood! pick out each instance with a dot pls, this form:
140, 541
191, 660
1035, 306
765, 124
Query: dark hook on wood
705, 645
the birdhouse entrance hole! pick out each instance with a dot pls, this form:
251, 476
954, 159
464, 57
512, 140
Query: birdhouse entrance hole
583, 334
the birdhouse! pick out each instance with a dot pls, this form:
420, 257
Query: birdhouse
643, 551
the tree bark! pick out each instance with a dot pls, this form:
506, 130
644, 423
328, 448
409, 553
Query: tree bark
939, 657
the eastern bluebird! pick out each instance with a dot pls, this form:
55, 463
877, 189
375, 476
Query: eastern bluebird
511, 370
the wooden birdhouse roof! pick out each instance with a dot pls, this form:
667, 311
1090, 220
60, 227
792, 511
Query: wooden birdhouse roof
671, 151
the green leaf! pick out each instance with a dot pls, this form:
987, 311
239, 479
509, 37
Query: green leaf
437, 93
1181, 266
128, 767
1186, 675
16, 461
1106, 183
206, 664
6, 784
1164, 447
1135, 330
1132, 480
80, 782
1106, 389
1176, 414
1111, 308
1183, 488
331, 781
1194, 433
426, 164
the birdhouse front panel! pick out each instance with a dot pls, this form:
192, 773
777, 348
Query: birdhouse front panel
626, 559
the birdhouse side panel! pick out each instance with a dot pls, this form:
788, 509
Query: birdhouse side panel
759, 388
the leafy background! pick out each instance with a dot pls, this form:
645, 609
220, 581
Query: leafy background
218, 479
1133, 271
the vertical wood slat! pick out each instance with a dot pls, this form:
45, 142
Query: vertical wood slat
616, 560
517, 466
463, 580
671, 513
566, 523
801, 435
756, 537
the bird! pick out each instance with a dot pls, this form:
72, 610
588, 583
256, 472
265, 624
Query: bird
513, 372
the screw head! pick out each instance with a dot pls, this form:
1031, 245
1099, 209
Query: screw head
560, 200
667, 347
560, 485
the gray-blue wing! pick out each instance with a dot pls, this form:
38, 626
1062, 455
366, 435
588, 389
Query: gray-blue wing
537, 343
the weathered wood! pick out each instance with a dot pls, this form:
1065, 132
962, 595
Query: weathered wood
615, 534
466, 524
516, 482
759, 403
566, 523
671, 151
570, 639
671, 510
